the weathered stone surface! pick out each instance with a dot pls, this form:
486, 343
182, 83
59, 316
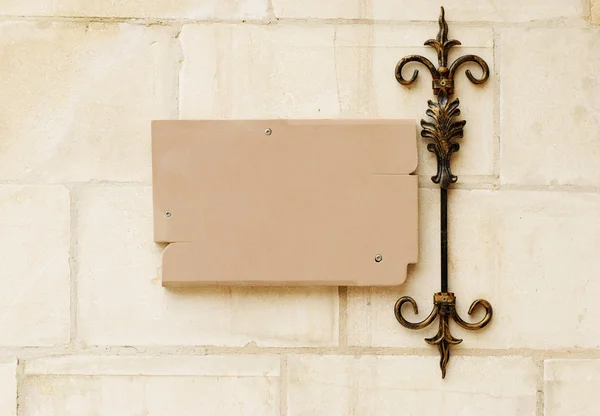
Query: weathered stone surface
8, 388
77, 99
381, 385
189, 9
550, 95
172, 385
523, 251
462, 10
79, 90
34, 278
327, 71
121, 301
570, 387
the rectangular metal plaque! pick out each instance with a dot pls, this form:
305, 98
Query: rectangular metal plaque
296, 202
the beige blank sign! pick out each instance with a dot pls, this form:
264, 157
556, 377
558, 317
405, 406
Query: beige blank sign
274, 202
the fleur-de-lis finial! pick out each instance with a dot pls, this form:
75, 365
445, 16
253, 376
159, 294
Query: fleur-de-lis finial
443, 75
443, 130
441, 43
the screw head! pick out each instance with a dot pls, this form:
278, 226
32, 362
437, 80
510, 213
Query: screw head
378, 258
168, 214
268, 132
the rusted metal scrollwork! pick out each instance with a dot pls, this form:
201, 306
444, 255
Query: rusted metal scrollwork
444, 306
442, 131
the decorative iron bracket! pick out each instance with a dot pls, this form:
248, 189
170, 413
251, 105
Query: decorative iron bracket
442, 131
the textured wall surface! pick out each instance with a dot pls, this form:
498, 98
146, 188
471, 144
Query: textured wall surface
87, 329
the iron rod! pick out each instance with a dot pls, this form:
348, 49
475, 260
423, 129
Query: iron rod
444, 237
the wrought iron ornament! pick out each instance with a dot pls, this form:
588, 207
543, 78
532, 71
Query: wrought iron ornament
443, 130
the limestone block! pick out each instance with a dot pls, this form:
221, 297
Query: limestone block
34, 278
550, 95
77, 99
381, 385
570, 387
168, 385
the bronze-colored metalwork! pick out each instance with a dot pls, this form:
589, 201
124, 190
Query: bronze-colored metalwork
444, 306
442, 131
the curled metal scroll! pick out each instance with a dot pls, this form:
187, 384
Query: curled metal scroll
444, 307
417, 325
414, 58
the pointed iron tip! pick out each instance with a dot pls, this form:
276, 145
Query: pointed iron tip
442, 35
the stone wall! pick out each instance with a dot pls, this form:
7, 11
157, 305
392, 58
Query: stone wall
87, 329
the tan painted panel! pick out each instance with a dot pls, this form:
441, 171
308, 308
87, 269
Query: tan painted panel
313, 202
